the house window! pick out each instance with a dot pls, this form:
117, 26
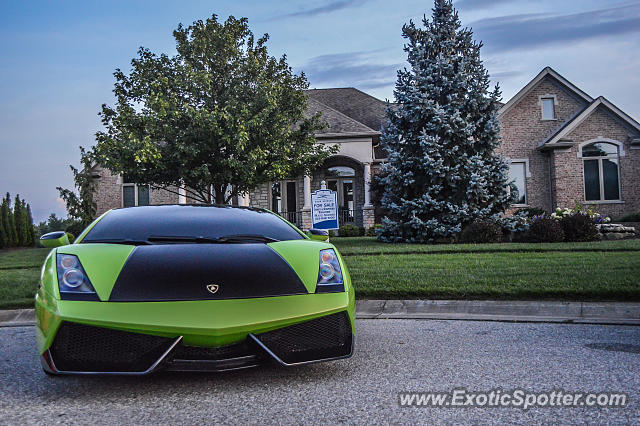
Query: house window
548, 109
601, 171
134, 195
518, 179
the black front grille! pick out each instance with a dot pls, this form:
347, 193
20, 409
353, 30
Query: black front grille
320, 338
214, 354
79, 347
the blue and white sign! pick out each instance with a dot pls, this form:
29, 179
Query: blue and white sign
324, 209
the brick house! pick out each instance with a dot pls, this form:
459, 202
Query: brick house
562, 146
565, 146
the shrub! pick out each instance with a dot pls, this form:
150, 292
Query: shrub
579, 227
332, 233
349, 231
530, 212
545, 230
371, 232
633, 217
481, 231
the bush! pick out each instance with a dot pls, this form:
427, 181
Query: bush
332, 233
579, 227
481, 231
371, 232
545, 230
349, 231
530, 212
633, 217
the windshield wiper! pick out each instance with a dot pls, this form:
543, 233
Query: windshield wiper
126, 241
180, 239
227, 239
246, 238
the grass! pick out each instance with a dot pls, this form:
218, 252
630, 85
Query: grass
356, 246
548, 275
603, 270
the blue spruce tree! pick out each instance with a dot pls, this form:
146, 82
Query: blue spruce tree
442, 171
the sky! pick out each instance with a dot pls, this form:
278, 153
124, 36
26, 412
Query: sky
57, 60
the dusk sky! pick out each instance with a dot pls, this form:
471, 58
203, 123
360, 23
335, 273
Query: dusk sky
57, 60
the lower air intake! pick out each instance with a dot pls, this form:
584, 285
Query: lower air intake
79, 347
319, 339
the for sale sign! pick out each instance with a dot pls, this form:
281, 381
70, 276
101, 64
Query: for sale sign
324, 209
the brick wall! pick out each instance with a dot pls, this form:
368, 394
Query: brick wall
523, 129
569, 171
109, 192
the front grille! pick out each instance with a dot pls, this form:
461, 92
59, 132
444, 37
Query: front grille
321, 338
79, 347
213, 354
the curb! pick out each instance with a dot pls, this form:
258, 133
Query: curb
615, 313
502, 310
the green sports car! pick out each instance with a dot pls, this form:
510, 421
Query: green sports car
191, 288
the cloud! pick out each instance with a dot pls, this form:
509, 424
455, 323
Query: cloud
363, 69
480, 4
319, 10
535, 29
503, 75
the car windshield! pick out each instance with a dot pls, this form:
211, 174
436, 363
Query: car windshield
190, 224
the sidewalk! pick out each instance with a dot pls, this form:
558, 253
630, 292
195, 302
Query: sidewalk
472, 310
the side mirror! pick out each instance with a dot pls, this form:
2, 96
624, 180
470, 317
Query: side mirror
55, 239
318, 234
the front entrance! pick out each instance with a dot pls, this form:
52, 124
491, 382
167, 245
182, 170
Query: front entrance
284, 201
341, 180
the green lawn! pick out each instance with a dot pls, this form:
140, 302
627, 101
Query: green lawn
608, 270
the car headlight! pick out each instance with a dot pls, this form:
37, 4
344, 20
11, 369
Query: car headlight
329, 273
73, 282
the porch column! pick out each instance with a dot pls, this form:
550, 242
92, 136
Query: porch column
367, 184
182, 195
244, 200
368, 216
306, 207
307, 193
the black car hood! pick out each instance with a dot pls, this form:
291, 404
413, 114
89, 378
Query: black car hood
204, 271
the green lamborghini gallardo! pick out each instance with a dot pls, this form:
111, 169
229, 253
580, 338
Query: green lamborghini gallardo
191, 288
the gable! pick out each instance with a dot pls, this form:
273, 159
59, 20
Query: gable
353, 103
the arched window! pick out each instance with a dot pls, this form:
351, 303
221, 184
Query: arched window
601, 163
341, 171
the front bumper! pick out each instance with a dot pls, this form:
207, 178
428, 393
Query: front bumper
139, 338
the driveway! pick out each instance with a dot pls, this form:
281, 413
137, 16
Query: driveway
391, 356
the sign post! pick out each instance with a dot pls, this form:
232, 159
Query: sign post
324, 208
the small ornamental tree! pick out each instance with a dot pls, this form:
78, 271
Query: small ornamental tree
442, 171
219, 118
81, 206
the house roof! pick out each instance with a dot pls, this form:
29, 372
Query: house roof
547, 71
556, 138
353, 103
338, 124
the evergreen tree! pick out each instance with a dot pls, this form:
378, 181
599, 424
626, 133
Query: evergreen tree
442, 172
18, 218
30, 227
11, 227
3, 228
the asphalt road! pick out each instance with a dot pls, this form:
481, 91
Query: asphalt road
391, 356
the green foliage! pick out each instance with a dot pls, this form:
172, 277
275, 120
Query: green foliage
481, 231
633, 217
222, 114
442, 170
54, 223
16, 223
530, 212
545, 230
349, 231
81, 206
371, 232
579, 227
